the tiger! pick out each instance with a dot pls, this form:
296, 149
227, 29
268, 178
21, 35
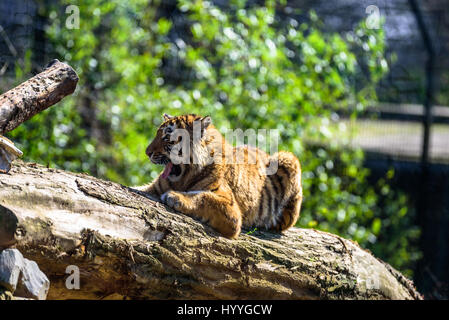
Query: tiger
225, 193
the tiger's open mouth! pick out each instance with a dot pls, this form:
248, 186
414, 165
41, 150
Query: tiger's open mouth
167, 170
172, 169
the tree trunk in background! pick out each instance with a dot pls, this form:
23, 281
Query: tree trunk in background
36, 94
127, 245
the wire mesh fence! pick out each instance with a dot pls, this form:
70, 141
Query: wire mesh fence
397, 131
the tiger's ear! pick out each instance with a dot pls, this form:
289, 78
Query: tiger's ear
167, 117
205, 122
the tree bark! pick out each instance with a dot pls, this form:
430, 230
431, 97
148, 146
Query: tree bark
36, 94
129, 246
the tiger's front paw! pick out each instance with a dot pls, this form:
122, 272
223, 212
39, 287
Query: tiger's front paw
172, 199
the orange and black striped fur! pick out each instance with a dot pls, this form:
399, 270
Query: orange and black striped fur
224, 193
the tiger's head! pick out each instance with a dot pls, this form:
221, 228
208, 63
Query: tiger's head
169, 138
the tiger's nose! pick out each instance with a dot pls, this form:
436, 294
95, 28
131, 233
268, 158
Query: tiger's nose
148, 152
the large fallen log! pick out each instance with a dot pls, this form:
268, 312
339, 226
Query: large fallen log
128, 246
36, 94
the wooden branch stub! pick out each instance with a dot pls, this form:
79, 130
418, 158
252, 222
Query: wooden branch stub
36, 94
8, 152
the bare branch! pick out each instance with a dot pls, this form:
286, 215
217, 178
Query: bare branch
36, 94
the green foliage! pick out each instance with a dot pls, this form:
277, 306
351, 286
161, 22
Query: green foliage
245, 67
